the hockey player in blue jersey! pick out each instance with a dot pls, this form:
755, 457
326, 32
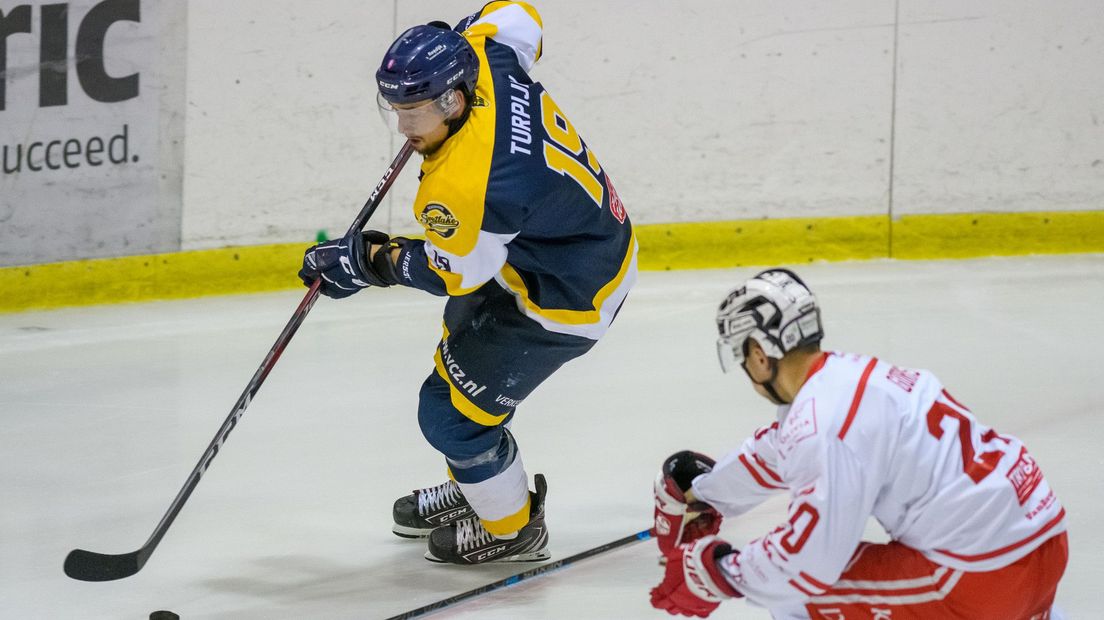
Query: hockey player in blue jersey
525, 234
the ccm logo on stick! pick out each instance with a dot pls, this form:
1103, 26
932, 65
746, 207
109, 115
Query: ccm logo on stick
53, 60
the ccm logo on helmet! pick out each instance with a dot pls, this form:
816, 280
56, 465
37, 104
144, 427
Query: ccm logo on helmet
389, 86
454, 78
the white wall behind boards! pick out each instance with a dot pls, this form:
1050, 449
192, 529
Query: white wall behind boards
725, 110
283, 133
710, 110
1000, 106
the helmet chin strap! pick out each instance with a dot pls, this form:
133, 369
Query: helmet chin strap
768, 385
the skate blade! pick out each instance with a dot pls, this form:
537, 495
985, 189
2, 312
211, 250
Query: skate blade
536, 556
409, 532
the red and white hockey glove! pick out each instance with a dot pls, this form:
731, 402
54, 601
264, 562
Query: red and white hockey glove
694, 583
676, 521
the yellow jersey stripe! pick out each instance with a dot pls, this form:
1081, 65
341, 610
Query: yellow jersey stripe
455, 177
460, 400
571, 317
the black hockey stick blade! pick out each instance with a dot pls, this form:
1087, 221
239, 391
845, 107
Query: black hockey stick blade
518, 578
92, 566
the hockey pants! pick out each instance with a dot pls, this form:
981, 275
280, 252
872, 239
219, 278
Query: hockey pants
490, 358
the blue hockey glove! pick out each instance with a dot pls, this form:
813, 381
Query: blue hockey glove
344, 266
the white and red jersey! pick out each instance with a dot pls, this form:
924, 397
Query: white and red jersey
863, 437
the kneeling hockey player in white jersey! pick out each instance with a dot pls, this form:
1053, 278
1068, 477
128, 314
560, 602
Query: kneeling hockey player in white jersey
976, 531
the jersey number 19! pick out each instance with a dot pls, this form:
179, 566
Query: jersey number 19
566, 156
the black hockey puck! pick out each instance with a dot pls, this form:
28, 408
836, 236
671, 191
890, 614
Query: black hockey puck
163, 615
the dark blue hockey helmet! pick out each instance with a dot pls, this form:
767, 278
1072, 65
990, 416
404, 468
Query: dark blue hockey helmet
424, 62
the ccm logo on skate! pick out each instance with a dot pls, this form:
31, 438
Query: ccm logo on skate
445, 518
490, 553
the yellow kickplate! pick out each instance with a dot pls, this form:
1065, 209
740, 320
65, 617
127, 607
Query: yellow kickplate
696, 245
158, 276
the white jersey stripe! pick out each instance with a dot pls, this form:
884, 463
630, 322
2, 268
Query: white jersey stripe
518, 29
463, 274
892, 584
812, 584
936, 594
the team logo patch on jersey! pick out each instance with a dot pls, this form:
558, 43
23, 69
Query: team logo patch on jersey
799, 425
1025, 476
617, 208
479, 102
437, 218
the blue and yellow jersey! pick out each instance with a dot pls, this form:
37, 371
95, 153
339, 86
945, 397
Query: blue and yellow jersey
517, 195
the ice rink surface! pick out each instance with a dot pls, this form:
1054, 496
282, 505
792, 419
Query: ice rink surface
105, 410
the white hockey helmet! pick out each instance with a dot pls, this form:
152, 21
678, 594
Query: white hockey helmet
775, 309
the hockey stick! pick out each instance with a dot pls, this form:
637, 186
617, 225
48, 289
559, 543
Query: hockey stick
533, 572
91, 566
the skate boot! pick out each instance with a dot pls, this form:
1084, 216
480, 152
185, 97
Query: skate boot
417, 514
467, 542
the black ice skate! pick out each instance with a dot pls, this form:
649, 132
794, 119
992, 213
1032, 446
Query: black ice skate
467, 542
417, 514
